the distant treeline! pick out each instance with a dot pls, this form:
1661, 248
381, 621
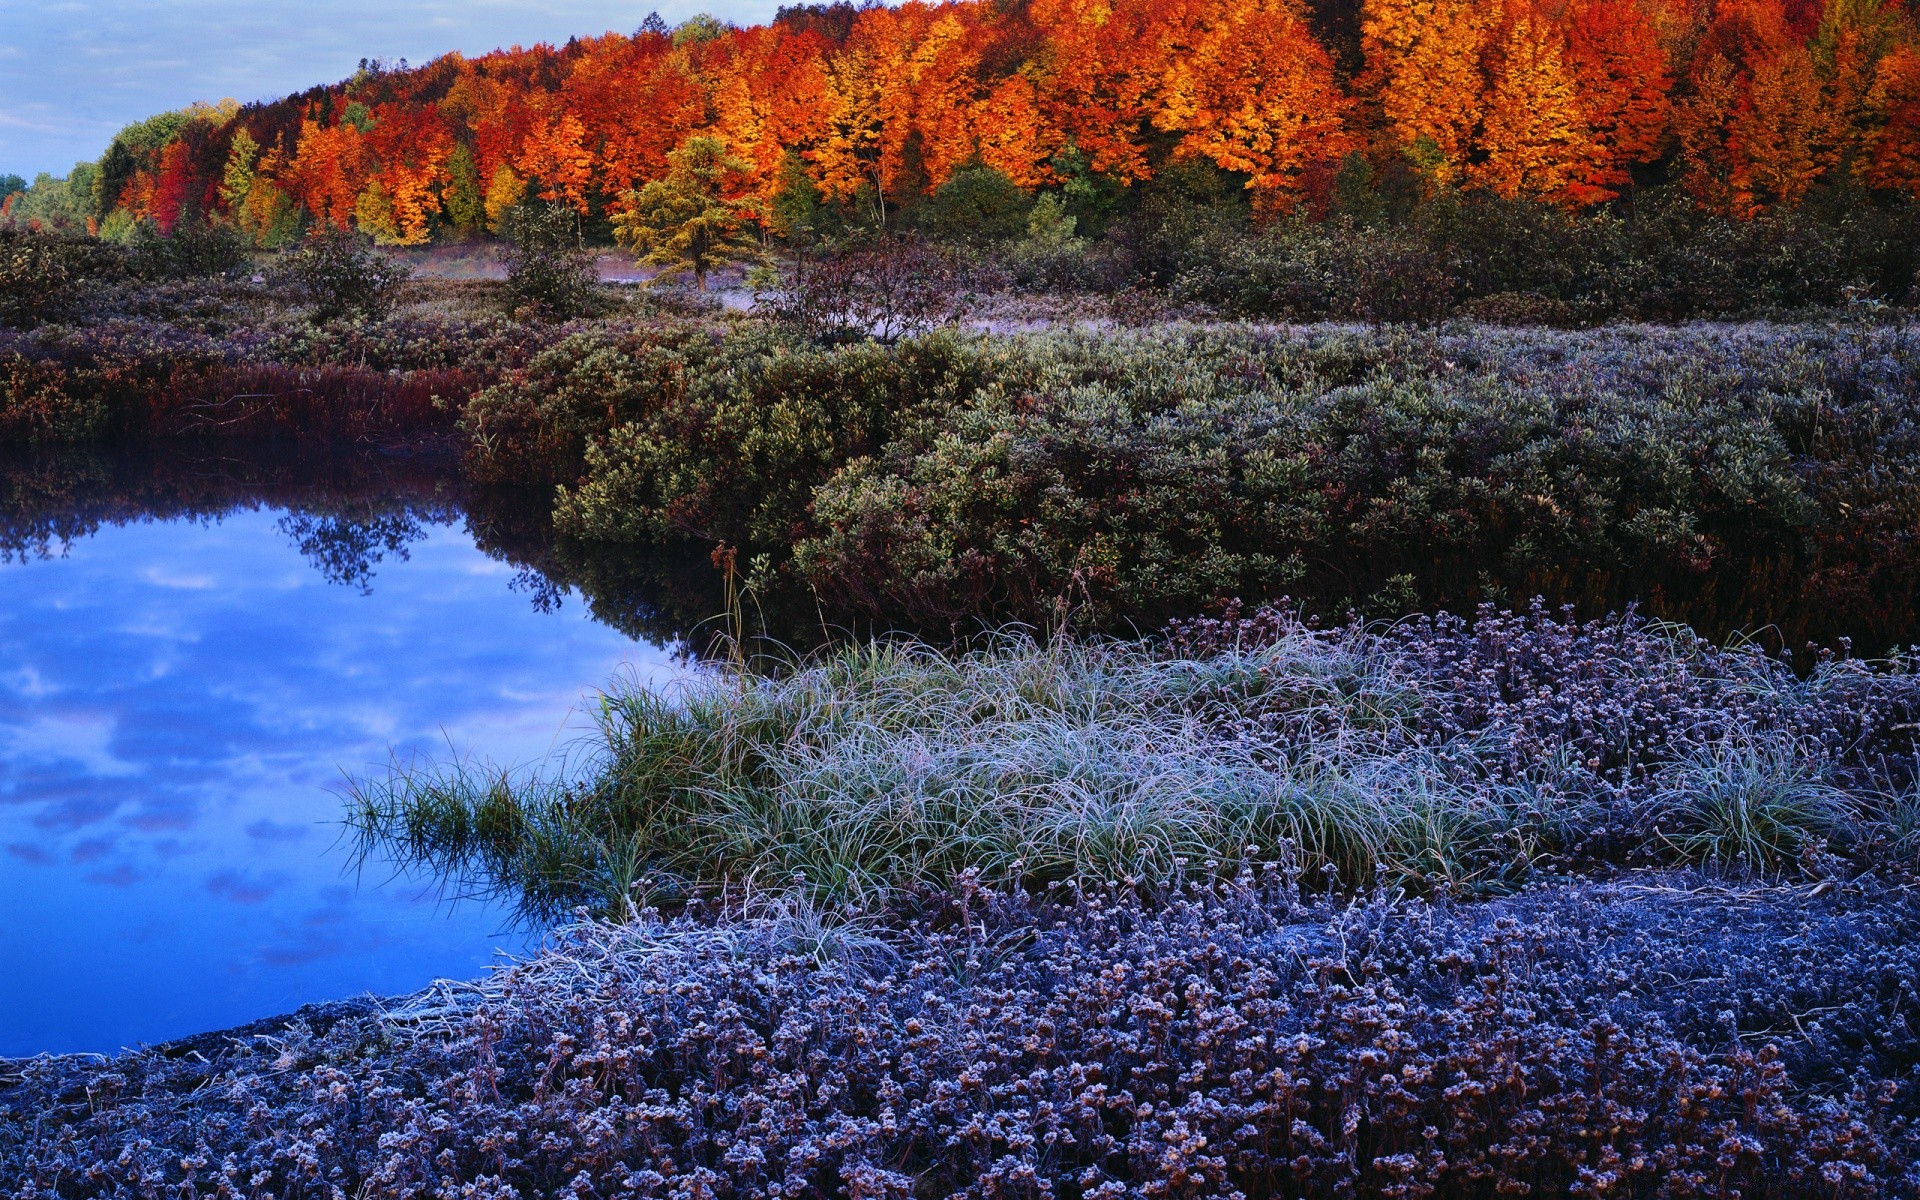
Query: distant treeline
836, 114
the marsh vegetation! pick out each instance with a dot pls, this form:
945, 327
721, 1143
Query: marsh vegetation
1126, 755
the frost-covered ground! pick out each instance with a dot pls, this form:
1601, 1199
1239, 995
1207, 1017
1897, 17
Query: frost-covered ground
1651, 1034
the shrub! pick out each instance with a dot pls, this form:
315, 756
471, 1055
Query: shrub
1464, 463
548, 270
1663, 259
1073, 266
338, 275
975, 203
1729, 478
885, 289
35, 408
1298, 270
177, 358
195, 249
36, 271
1393, 280
736, 451
536, 425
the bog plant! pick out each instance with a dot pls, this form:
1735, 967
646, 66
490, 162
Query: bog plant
1662, 1037
549, 271
36, 271
1731, 478
339, 275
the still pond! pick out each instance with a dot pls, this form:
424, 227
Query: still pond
185, 689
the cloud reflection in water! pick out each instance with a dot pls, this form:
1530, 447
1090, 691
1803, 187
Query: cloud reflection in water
178, 702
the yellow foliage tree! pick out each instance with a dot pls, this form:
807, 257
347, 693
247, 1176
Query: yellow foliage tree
373, 215
1423, 70
504, 191
1535, 138
237, 178
696, 218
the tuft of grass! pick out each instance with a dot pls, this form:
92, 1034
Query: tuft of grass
1748, 802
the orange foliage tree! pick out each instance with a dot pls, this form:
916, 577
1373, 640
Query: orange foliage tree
1251, 90
1892, 159
1623, 82
1749, 104
1535, 137
1424, 72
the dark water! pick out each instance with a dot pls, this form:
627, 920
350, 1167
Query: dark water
192, 657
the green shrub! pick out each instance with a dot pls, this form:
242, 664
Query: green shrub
1474, 253
339, 275
548, 270
1724, 477
36, 271
735, 452
193, 250
536, 425
976, 203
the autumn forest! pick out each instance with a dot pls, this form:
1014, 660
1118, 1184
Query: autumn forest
1747, 105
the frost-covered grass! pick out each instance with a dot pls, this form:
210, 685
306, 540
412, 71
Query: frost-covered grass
1437, 755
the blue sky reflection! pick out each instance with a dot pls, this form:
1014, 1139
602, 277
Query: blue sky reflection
178, 701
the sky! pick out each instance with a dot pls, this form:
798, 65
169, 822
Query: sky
73, 72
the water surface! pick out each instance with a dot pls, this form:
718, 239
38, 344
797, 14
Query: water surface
183, 688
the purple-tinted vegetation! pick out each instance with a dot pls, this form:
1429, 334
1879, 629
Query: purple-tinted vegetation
1659, 1036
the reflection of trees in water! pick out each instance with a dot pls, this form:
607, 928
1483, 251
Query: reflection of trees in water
669, 595
345, 511
349, 511
345, 549
48, 502
666, 597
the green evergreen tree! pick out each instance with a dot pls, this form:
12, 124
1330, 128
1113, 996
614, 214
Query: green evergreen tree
465, 203
685, 222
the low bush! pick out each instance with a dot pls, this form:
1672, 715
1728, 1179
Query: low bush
35, 408
1662, 260
338, 275
1728, 478
321, 403
36, 271
194, 249
883, 289
682, 432
1659, 1037
208, 366
549, 271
